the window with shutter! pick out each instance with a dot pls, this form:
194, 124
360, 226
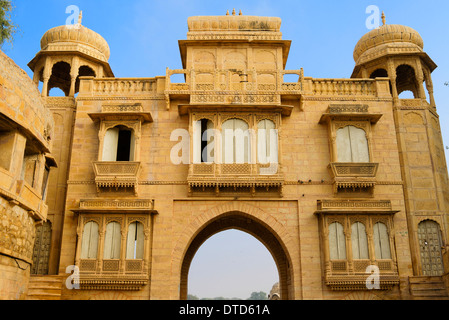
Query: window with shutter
203, 141
337, 242
381, 241
359, 241
112, 241
135, 241
89, 246
267, 142
118, 144
236, 142
352, 145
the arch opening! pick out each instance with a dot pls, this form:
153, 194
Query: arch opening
232, 264
406, 81
249, 225
60, 77
84, 71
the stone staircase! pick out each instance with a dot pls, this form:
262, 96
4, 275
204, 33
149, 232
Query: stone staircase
45, 287
428, 288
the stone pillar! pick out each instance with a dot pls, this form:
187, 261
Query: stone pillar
392, 76
47, 74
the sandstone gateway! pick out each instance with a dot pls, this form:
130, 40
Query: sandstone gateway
353, 178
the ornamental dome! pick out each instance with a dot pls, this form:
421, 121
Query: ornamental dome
76, 38
388, 35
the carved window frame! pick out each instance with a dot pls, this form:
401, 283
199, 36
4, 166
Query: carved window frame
134, 125
335, 125
350, 273
252, 119
117, 267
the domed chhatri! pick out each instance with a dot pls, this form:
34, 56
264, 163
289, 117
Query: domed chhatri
388, 35
76, 37
67, 53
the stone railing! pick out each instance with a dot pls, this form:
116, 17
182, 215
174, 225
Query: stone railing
353, 175
249, 81
243, 176
55, 102
345, 205
121, 174
91, 86
224, 169
111, 204
343, 87
359, 266
112, 274
352, 274
354, 169
113, 108
413, 103
116, 169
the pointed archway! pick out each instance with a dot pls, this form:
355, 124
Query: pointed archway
251, 225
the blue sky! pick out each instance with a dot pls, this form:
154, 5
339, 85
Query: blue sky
143, 38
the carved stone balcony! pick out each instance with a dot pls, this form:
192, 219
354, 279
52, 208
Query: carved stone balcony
118, 175
353, 175
353, 275
112, 274
232, 178
23, 195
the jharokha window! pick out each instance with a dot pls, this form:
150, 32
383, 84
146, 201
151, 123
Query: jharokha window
351, 167
118, 163
352, 145
235, 152
113, 247
355, 243
119, 143
236, 138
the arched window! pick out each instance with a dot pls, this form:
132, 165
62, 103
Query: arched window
236, 141
203, 141
118, 144
337, 242
135, 241
359, 241
89, 245
352, 145
112, 241
267, 142
381, 241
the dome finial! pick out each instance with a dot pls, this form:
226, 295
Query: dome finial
383, 18
80, 17
240, 12
227, 12
233, 12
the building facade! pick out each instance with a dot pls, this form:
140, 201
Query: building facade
342, 180
26, 133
